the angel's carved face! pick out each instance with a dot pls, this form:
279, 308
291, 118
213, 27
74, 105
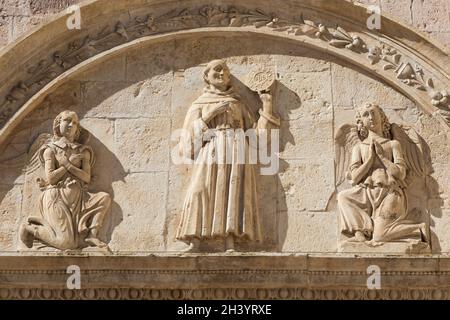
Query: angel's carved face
371, 119
68, 125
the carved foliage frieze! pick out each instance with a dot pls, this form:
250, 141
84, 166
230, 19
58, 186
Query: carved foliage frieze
404, 70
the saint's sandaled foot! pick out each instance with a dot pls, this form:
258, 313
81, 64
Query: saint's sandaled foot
229, 245
358, 237
94, 242
193, 246
27, 235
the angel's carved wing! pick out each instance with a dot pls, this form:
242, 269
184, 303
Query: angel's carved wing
34, 161
34, 153
34, 174
345, 139
417, 156
415, 152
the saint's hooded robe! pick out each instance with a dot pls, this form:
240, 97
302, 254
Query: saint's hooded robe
221, 199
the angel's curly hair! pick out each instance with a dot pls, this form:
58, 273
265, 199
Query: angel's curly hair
362, 131
57, 122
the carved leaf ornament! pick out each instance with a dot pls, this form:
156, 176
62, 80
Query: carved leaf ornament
215, 16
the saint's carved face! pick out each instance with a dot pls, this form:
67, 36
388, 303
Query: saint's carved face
68, 125
219, 75
371, 119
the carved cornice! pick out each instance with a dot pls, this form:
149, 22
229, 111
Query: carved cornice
228, 272
238, 276
300, 293
377, 51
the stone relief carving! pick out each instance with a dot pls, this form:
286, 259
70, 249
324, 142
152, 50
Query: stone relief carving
384, 163
67, 215
221, 200
410, 75
215, 16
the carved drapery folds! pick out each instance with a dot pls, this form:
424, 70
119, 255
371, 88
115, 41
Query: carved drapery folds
222, 199
67, 216
398, 64
386, 166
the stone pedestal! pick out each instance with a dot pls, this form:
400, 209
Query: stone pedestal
390, 247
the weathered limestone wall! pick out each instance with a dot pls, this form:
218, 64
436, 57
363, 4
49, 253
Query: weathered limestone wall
19, 16
430, 16
134, 102
132, 82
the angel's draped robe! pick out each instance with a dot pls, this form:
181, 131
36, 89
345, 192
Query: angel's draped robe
221, 199
67, 211
378, 205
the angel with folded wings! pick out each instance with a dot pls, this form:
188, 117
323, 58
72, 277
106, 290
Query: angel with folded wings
67, 216
381, 160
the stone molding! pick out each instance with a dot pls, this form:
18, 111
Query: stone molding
222, 294
336, 27
189, 276
401, 57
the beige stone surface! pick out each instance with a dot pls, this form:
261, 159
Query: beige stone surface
441, 176
188, 84
128, 100
131, 120
412, 12
143, 144
401, 9
102, 141
145, 218
428, 16
179, 177
47, 7
142, 64
348, 90
440, 222
271, 214
12, 173
443, 37
304, 138
5, 29
306, 185
310, 92
113, 70
432, 15
307, 231
11, 201
131, 99
21, 24
15, 7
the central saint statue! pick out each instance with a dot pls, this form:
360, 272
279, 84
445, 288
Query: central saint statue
221, 200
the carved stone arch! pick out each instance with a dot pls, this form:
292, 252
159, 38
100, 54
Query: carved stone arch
400, 56
41, 62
